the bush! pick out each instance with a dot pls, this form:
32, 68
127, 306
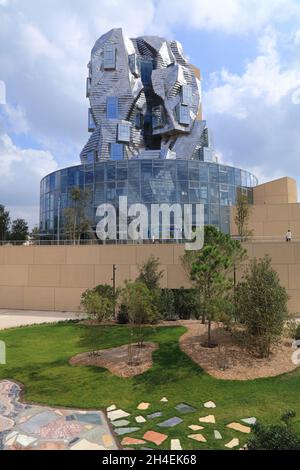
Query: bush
290, 329
261, 306
275, 436
99, 303
297, 332
167, 304
122, 316
186, 303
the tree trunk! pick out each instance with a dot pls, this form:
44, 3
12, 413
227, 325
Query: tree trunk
209, 333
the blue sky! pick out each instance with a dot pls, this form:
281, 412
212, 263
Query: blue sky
248, 52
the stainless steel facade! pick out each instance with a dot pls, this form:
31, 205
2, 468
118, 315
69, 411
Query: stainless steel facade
148, 139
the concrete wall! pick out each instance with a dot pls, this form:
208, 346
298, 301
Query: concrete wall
53, 278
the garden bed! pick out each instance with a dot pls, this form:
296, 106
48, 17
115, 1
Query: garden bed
116, 360
229, 360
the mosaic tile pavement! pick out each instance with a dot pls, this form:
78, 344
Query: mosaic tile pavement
34, 427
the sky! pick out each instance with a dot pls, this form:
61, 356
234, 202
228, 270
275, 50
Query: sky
248, 52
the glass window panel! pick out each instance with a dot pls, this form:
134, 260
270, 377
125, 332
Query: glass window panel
109, 59
133, 170
203, 172
112, 107
237, 177
213, 173
99, 172
110, 171
146, 170
116, 151
182, 170
91, 121
110, 192
214, 194
121, 171
193, 171
124, 132
214, 214
186, 95
183, 114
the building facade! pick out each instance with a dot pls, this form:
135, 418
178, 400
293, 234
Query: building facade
148, 139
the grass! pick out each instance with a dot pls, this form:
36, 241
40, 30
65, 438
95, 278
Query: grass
37, 356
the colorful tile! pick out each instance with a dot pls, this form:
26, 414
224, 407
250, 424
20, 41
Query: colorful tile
197, 437
239, 427
170, 423
207, 419
155, 437
127, 441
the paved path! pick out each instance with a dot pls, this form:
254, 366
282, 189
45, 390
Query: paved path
12, 318
34, 427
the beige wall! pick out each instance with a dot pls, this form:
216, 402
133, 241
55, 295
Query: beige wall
274, 211
280, 191
53, 278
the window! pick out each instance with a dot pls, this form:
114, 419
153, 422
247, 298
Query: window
88, 87
139, 120
158, 118
90, 157
183, 115
116, 151
186, 95
124, 132
92, 124
109, 60
135, 65
112, 107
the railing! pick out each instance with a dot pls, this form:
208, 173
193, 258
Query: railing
264, 238
89, 242
253, 239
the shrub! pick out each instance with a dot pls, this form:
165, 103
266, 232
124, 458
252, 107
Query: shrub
99, 303
275, 436
186, 304
297, 332
167, 304
261, 306
122, 316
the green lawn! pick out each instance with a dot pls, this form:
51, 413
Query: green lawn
38, 357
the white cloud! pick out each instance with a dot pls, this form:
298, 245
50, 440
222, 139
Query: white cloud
20, 173
230, 16
255, 115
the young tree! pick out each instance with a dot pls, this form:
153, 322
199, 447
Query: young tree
261, 306
4, 223
141, 308
209, 275
19, 230
242, 214
229, 255
76, 222
150, 274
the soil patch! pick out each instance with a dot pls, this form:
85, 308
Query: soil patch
116, 359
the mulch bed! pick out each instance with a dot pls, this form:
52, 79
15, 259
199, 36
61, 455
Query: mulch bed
229, 360
116, 359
